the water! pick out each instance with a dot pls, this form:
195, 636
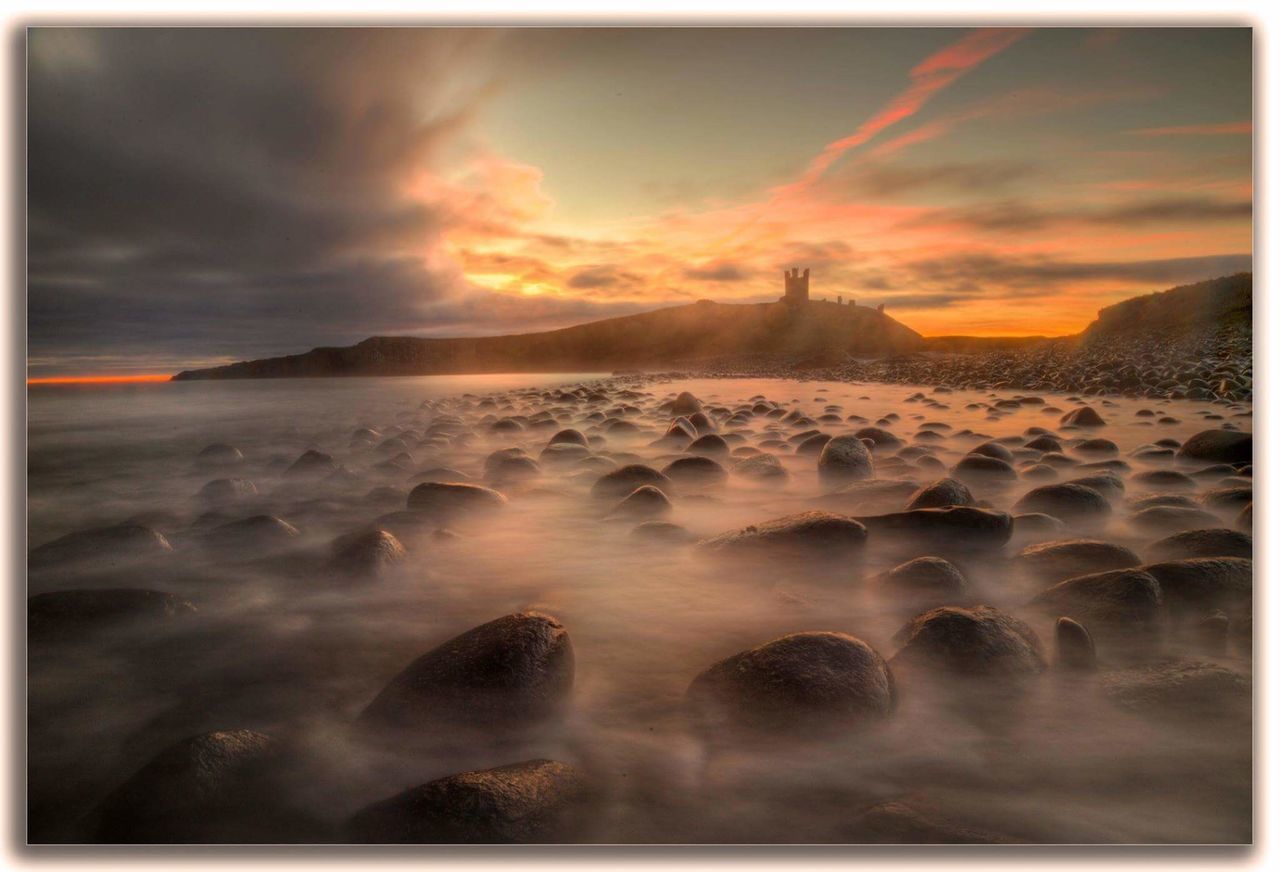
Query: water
282, 645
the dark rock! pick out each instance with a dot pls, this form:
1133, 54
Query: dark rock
664, 532
569, 437
367, 552
509, 673
219, 454
979, 469
686, 404
1164, 479
622, 481
712, 445
104, 547
804, 683
1179, 691
931, 578
449, 501
1069, 502
72, 614
844, 459
695, 472
1055, 561
1213, 542
1084, 416
645, 501
227, 490
537, 801
954, 527
252, 536
807, 535
1124, 600
1074, 646
762, 468
940, 494
1164, 519
978, 641
1195, 586
312, 463
1218, 446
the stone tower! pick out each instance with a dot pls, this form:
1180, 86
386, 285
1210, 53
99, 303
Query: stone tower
797, 287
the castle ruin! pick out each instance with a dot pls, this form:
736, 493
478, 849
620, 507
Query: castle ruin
797, 287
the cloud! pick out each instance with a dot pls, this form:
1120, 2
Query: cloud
603, 276
1018, 216
1230, 128
717, 272
983, 274
892, 180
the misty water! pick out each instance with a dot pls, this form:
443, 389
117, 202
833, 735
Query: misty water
283, 644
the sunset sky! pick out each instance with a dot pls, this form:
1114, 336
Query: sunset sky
202, 196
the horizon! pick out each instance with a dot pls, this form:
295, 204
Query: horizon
198, 197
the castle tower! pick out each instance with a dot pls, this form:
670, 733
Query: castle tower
797, 287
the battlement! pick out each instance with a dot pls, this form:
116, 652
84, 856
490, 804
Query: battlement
796, 285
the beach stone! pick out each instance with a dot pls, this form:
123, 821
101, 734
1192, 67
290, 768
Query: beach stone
809, 535
70, 615
1054, 561
1074, 646
844, 459
367, 552
993, 449
622, 481
915, 821
227, 490
208, 788
1218, 446
219, 454
711, 445
813, 445
980, 469
762, 468
957, 527
1164, 479
311, 463
1121, 599
940, 494
686, 404
1229, 500
696, 471
1045, 443
1085, 416
537, 801
569, 437
1098, 446
1212, 542
102, 546
1037, 524
929, 577
663, 532
881, 437
448, 501
978, 642
801, 684
1068, 502
441, 473
1179, 691
1164, 519
1195, 586
510, 673
562, 454
1108, 484
645, 501
253, 536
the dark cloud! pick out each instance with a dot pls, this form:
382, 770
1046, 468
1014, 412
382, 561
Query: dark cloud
717, 272
602, 277
237, 191
891, 180
1015, 215
976, 274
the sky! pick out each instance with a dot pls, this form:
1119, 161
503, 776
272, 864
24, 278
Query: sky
199, 196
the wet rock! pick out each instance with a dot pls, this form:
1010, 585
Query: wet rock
1164, 479
449, 501
911, 821
645, 501
762, 468
622, 481
252, 536
1197, 585
537, 801
1228, 500
228, 490
928, 578
1125, 600
1037, 524
695, 472
993, 449
807, 535
1085, 416
1074, 646
663, 532
954, 527
979, 641
1179, 691
980, 469
569, 437
103, 547
801, 684
844, 459
1212, 542
1165, 519
71, 615
1055, 561
711, 445
686, 404
1069, 502
219, 454
312, 464
368, 552
940, 494
510, 673
211, 788
1218, 446
1098, 446
1106, 483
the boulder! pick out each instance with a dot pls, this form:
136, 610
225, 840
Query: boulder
1167, 519
537, 801
622, 481
449, 501
940, 494
973, 642
510, 673
228, 490
808, 535
931, 578
645, 501
1218, 446
955, 527
695, 471
762, 468
1195, 586
1069, 502
1124, 600
311, 464
801, 684
980, 469
1212, 542
219, 454
71, 615
103, 547
1074, 646
844, 459
367, 552
1085, 416
1054, 561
